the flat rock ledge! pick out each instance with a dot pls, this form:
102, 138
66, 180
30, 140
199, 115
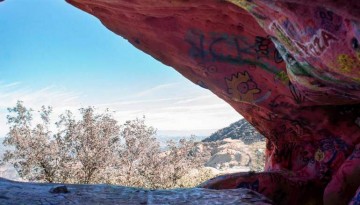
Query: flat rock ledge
12, 192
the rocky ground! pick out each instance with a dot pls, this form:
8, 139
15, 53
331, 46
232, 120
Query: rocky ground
238, 147
14, 193
230, 155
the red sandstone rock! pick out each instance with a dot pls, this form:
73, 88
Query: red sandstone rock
307, 105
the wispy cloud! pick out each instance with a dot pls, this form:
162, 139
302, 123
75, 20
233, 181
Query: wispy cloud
59, 98
11, 85
178, 107
175, 107
156, 90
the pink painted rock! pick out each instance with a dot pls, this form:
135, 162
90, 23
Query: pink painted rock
291, 68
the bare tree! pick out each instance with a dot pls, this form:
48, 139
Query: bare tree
33, 162
76, 153
180, 158
145, 165
87, 146
94, 149
138, 154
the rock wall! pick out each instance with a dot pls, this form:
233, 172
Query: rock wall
291, 68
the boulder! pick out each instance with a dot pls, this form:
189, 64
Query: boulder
231, 155
291, 68
15, 193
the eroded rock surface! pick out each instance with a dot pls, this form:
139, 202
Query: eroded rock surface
291, 68
15, 193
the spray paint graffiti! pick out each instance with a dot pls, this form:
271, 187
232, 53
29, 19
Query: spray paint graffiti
328, 20
318, 44
283, 77
262, 47
232, 49
241, 87
284, 38
347, 63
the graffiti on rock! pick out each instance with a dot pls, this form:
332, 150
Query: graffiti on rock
241, 87
328, 20
347, 63
232, 49
318, 44
262, 47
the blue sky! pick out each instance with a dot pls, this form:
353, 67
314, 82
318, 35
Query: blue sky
54, 54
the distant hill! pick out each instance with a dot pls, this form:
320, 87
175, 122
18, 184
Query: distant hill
164, 139
241, 130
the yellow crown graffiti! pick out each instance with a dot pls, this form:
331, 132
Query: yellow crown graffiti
241, 87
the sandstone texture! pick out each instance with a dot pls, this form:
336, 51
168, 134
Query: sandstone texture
291, 68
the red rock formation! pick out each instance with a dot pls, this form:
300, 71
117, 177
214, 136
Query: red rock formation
291, 68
